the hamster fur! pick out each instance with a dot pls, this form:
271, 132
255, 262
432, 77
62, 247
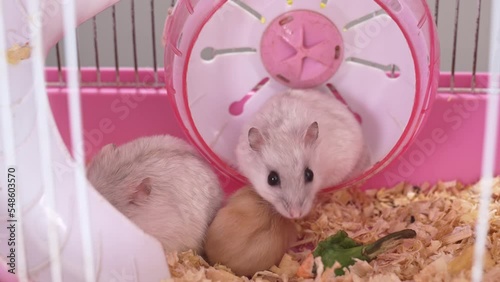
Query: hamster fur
248, 235
298, 143
162, 185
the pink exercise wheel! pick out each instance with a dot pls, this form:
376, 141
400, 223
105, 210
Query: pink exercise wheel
225, 58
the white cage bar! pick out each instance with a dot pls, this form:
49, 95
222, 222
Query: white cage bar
75, 117
43, 113
489, 147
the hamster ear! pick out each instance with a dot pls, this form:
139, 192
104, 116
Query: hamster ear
141, 192
106, 148
312, 133
109, 147
255, 139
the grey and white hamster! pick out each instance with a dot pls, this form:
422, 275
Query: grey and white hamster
298, 143
162, 185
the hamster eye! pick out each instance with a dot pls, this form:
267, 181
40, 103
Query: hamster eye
309, 175
273, 178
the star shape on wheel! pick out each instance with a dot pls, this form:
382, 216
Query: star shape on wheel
322, 52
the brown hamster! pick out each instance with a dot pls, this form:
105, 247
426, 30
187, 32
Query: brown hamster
162, 185
248, 235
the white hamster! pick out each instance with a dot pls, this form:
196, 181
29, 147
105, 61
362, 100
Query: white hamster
162, 185
298, 143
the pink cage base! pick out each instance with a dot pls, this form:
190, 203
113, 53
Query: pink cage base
449, 146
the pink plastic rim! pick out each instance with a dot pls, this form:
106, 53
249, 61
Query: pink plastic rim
301, 49
429, 83
425, 92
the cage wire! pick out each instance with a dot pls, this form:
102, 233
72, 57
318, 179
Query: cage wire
131, 51
489, 146
467, 31
42, 111
76, 131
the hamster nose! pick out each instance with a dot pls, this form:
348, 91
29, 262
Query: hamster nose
295, 212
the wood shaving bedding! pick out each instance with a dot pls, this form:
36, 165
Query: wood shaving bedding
442, 215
